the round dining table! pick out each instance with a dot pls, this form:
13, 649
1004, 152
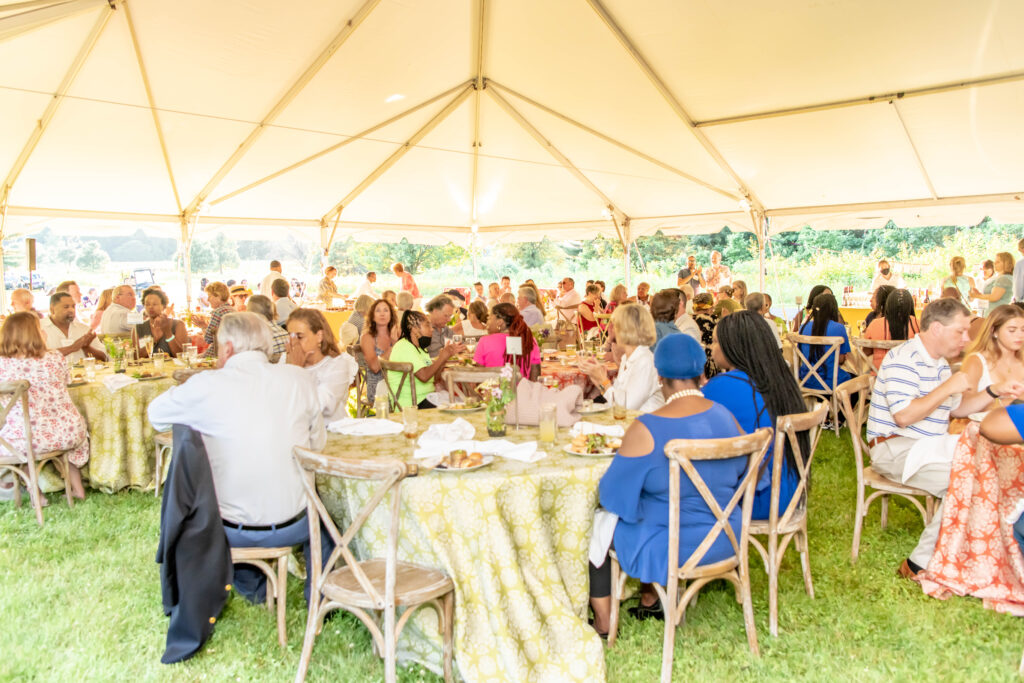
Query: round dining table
513, 536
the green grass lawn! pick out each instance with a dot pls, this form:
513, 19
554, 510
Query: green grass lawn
80, 599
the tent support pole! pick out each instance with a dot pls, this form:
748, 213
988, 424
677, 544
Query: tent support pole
344, 33
39, 14
761, 231
188, 227
478, 86
917, 155
3, 234
400, 152
627, 239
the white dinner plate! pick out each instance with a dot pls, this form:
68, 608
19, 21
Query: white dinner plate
568, 449
596, 408
487, 460
447, 408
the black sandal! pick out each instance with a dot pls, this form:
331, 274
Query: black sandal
604, 636
643, 612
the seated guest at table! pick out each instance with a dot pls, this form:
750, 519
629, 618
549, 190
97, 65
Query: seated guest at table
505, 322
458, 300
101, 306
804, 314
219, 297
240, 295
962, 283
56, 423
634, 332
723, 293
643, 294
478, 293
724, 307
998, 290
72, 288
312, 346
771, 317
411, 347
169, 336
664, 309
328, 291
379, 334
604, 301
824, 322
390, 296
440, 310
352, 328
366, 286
619, 295
996, 355
115, 318
404, 302
635, 486
264, 307
475, 324
568, 298
886, 276
703, 304
878, 304
23, 301
757, 387
588, 308
507, 298
898, 323
259, 488
913, 397
528, 308
493, 293
683, 321
755, 303
739, 292
280, 292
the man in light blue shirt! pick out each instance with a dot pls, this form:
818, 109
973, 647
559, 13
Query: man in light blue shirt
1018, 275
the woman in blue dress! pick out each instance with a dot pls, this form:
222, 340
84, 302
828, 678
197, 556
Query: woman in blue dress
635, 487
824, 322
757, 387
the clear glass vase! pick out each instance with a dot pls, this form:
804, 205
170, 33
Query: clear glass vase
496, 421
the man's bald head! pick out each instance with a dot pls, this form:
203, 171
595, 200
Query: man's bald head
22, 300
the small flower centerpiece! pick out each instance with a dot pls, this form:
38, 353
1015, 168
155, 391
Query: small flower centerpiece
496, 395
115, 352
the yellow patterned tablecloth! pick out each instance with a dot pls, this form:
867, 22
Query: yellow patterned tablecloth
120, 437
513, 536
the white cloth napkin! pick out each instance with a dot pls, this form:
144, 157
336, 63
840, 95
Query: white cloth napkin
601, 539
929, 450
583, 427
522, 452
118, 381
367, 426
459, 430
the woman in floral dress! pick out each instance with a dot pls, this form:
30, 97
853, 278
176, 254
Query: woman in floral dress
56, 423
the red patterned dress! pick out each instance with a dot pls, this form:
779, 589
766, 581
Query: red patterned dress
56, 423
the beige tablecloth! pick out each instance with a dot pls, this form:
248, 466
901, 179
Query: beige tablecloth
514, 538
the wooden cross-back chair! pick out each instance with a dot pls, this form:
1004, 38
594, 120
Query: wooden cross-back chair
370, 589
865, 359
603, 322
858, 391
387, 367
682, 454
790, 524
570, 315
462, 381
363, 404
816, 370
26, 466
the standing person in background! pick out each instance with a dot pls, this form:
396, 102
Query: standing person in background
104, 302
268, 280
998, 290
506, 285
220, 302
691, 275
283, 303
366, 286
71, 287
886, 276
478, 289
717, 274
407, 283
328, 291
962, 283
1018, 274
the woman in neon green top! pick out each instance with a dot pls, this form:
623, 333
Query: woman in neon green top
411, 347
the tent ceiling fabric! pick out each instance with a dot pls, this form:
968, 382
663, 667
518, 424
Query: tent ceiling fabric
780, 94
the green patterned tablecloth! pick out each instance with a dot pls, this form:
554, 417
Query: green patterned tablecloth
513, 536
120, 437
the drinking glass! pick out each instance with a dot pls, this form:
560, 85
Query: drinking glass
380, 407
188, 352
410, 421
570, 350
619, 404
548, 422
158, 361
457, 339
90, 369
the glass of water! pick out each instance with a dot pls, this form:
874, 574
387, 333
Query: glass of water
90, 369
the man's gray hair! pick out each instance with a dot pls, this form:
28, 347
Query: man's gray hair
261, 305
245, 332
942, 311
404, 301
529, 293
438, 302
754, 302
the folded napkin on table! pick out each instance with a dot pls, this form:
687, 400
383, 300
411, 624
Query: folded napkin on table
459, 430
523, 452
118, 381
591, 428
366, 426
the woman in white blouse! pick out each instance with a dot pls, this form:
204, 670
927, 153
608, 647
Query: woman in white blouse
475, 324
634, 335
311, 345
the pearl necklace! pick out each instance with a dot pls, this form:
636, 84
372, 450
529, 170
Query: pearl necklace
685, 392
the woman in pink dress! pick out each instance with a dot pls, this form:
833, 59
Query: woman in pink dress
56, 423
504, 322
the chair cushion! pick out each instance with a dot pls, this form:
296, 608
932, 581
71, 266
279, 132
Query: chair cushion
413, 584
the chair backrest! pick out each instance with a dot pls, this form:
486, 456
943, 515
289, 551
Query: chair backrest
682, 453
815, 369
455, 376
389, 474
405, 369
867, 347
12, 394
856, 416
786, 429
359, 383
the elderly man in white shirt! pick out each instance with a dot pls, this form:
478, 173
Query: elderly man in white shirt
366, 287
65, 334
684, 321
527, 304
259, 485
757, 303
568, 298
115, 318
637, 377
914, 395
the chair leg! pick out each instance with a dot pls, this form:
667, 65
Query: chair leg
858, 523
67, 481
448, 634
748, 613
613, 620
885, 511
668, 645
390, 647
282, 592
805, 561
158, 469
773, 584
309, 638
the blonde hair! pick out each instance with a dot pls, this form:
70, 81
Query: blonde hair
986, 343
957, 265
363, 303
634, 325
619, 293
219, 290
1004, 262
21, 336
106, 297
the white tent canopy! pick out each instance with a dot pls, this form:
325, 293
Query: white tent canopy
384, 119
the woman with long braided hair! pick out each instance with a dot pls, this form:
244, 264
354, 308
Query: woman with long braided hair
757, 387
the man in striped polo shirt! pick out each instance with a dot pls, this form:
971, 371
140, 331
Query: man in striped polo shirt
915, 394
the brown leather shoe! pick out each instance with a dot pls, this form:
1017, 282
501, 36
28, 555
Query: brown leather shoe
905, 571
